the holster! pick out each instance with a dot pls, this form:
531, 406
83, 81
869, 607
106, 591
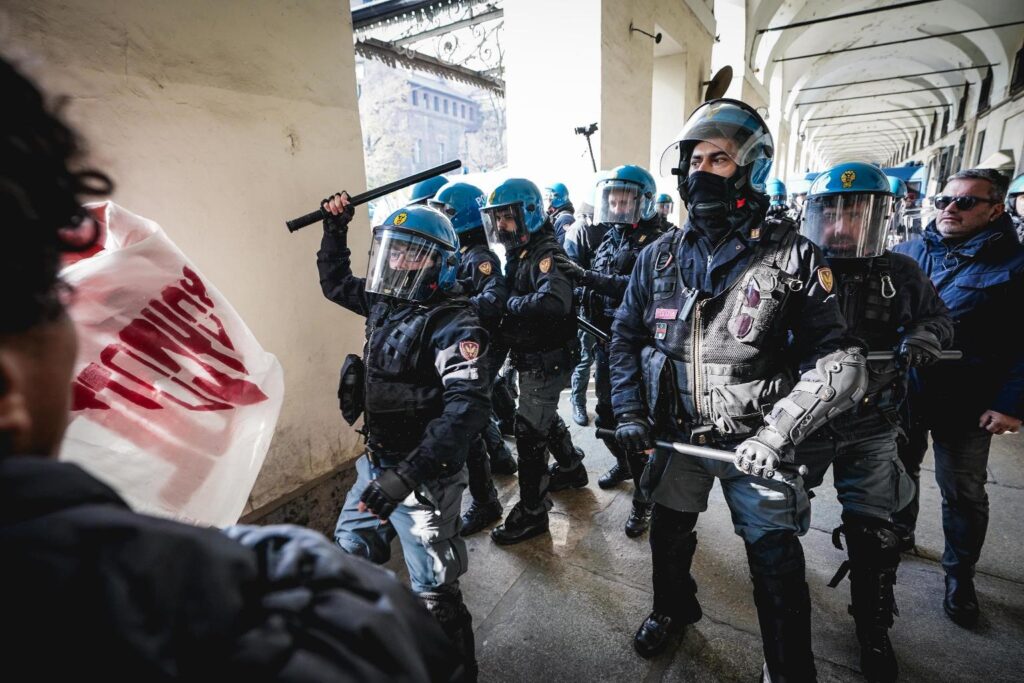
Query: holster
350, 388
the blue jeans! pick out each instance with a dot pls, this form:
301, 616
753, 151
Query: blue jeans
869, 478
581, 373
427, 524
961, 470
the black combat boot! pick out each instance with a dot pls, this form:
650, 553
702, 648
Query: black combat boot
457, 623
579, 415
673, 543
502, 461
479, 516
783, 604
620, 471
639, 519
529, 517
568, 470
961, 601
874, 549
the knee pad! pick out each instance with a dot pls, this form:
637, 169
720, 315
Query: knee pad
870, 540
777, 553
524, 430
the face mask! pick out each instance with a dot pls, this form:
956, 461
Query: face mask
709, 196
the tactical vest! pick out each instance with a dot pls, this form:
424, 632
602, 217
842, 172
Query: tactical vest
616, 257
718, 363
403, 392
532, 333
867, 298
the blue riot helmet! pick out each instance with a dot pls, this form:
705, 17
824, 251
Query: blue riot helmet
732, 127
513, 212
425, 189
664, 204
461, 203
897, 187
1014, 203
556, 196
625, 196
847, 210
776, 191
414, 253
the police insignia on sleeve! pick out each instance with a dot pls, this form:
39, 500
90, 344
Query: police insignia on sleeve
485, 267
825, 278
400, 218
469, 349
545, 264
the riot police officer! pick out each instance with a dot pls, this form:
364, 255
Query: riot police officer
896, 232
626, 206
889, 305
480, 277
539, 328
717, 320
559, 209
423, 191
665, 206
776, 191
425, 395
1015, 205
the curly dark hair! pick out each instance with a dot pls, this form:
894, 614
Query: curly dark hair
41, 214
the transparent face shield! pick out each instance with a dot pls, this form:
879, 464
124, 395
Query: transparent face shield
403, 265
665, 208
847, 225
618, 203
505, 225
739, 133
446, 209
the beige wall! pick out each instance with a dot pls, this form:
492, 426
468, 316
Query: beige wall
220, 120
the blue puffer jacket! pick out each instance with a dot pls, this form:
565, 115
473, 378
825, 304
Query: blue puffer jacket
982, 282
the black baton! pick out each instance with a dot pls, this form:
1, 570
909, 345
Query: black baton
890, 355
368, 196
593, 329
705, 452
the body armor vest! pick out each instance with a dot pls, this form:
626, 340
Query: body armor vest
533, 333
867, 298
616, 255
719, 363
403, 392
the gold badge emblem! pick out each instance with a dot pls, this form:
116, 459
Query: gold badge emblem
486, 268
825, 278
400, 218
545, 264
469, 349
755, 233
847, 179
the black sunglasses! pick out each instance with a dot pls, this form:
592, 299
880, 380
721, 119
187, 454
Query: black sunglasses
964, 202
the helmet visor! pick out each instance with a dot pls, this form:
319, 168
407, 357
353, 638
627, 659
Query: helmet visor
850, 225
665, 208
403, 265
618, 203
505, 225
736, 131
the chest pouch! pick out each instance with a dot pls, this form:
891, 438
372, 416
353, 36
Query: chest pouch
758, 303
351, 386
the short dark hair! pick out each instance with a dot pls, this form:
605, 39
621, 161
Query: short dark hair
41, 210
998, 183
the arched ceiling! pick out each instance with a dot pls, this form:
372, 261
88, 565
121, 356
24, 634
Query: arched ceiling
843, 119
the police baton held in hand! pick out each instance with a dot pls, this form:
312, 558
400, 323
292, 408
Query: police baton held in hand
788, 469
890, 355
370, 195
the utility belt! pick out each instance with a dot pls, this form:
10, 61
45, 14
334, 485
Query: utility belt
384, 458
549, 362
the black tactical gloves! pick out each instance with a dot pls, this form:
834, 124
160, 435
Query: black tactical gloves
918, 349
338, 213
633, 433
387, 491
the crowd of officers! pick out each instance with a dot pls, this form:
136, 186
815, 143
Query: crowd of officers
787, 346
793, 341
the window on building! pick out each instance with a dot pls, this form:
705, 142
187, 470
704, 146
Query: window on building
961, 108
437, 103
985, 94
440, 151
463, 111
415, 98
1017, 82
945, 122
471, 113
417, 150
935, 122
446, 106
979, 145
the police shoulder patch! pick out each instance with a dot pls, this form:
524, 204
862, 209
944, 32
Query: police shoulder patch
486, 267
469, 349
545, 264
825, 278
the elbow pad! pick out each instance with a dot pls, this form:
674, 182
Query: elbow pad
836, 384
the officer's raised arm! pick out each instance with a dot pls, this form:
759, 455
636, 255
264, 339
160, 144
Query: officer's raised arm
334, 260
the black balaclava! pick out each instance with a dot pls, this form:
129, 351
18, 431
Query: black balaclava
714, 203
